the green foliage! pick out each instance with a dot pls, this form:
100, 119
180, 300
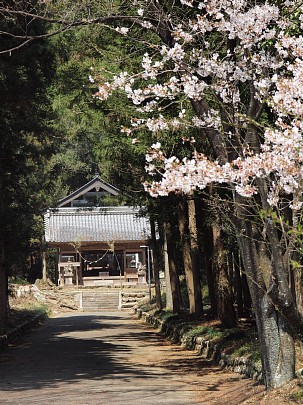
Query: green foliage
239, 342
90, 130
208, 331
245, 342
27, 312
41, 309
17, 280
25, 144
165, 315
250, 350
55, 134
163, 299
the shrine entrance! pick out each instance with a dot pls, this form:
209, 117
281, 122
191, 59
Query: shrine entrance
97, 245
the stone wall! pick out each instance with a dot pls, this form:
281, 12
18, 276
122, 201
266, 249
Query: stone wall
204, 347
20, 330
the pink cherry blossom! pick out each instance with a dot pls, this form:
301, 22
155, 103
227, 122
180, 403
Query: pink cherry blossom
265, 61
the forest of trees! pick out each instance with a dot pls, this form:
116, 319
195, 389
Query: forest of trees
195, 110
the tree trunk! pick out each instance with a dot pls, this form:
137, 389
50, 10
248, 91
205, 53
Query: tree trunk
226, 311
192, 281
195, 257
297, 276
238, 286
154, 246
246, 296
295, 269
168, 289
241, 288
173, 283
276, 343
3, 272
3, 287
208, 254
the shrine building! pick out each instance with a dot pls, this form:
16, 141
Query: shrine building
97, 245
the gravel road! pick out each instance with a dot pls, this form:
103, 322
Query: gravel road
110, 359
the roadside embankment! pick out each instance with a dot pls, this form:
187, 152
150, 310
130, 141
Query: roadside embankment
30, 306
234, 349
32, 320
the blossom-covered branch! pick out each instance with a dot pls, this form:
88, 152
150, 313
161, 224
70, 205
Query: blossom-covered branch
260, 63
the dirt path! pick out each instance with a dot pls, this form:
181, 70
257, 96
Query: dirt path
96, 359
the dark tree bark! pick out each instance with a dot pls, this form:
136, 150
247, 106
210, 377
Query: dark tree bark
173, 275
208, 265
276, 342
241, 288
238, 286
174, 285
246, 296
226, 311
295, 267
3, 271
194, 244
192, 278
3, 287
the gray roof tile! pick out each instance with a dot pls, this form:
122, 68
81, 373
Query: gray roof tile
101, 224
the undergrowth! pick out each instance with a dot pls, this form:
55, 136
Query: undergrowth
23, 314
237, 342
17, 280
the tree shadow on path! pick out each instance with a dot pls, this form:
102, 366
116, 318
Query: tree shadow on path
71, 349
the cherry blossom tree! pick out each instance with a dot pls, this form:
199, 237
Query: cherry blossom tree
233, 69
233, 72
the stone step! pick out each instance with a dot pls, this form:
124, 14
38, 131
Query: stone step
128, 304
109, 300
100, 307
98, 298
89, 305
100, 295
100, 301
100, 304
93, 309
130, 299
92, 303
116, 302
101, 298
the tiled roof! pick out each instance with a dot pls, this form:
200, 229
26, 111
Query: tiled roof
97, 183
102, 224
